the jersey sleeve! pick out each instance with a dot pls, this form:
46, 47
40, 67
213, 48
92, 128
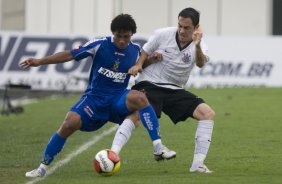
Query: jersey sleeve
85, 50
153, 43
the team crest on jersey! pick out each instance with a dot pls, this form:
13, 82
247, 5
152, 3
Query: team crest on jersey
116, 65
187, 58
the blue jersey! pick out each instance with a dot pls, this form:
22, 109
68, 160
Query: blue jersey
105, 97
109, 72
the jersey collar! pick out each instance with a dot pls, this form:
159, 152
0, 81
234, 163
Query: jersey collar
178, 44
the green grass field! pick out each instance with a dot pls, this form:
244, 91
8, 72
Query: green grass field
246, 146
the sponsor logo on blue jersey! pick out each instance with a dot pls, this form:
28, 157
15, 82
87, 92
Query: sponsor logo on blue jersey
116, 76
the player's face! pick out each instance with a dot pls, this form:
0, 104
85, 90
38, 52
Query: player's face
121, 39
185, 30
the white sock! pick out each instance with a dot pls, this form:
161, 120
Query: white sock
157, 145
202, 141
122, 135
43, 166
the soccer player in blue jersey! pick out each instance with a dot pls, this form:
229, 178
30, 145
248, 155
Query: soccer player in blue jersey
106, 97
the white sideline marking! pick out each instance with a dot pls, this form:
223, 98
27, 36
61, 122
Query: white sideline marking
75, 153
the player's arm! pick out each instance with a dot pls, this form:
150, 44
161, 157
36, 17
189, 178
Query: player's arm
138, 67
59, 57
144, 61
155, 57
201, 59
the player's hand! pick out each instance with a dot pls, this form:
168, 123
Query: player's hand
29, 62
197, 36
155, 57
135, 69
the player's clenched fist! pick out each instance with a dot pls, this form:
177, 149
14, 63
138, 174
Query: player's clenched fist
135, 69
197, 36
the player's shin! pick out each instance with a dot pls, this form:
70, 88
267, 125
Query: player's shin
202, 141
122, 135
151, 123
54, 146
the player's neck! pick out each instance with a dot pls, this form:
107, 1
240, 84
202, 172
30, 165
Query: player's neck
182, 44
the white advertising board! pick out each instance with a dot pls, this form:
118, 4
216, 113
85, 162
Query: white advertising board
241, 61
234, 61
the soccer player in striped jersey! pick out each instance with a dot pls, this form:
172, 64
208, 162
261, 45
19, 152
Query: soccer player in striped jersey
106, 97
165, 64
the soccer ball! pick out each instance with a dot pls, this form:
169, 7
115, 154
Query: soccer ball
106, 162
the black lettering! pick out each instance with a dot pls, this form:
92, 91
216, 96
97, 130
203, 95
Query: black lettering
5, 55
206, 70
221, 69
53, 43
21, 52
267, 69
232, 69
260, 70
52, 46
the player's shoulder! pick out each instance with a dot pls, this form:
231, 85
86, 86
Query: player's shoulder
96, 41
166, 30
135, 45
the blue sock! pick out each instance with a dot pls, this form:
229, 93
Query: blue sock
54, 146
150, 122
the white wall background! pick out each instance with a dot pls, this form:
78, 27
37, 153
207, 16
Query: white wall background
218, 17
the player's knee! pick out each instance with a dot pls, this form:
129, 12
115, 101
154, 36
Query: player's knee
210, 114
204, 112
138, 98
68, 128
70, 125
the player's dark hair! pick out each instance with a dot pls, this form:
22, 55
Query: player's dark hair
190, 13
123, 22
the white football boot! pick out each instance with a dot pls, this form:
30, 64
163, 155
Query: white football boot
201, 168
39, 172
164, 153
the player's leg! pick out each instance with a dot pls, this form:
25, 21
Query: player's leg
71, 123
205, 116
180, 105
124, 132
136, 100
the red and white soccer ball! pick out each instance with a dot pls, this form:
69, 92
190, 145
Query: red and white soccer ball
106, 162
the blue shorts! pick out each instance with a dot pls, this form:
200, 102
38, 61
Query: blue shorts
94, 115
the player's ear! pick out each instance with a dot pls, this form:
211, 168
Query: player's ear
197, 26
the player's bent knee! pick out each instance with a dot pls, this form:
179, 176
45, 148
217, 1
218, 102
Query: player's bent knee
204, 112
210, 115
68, 128
138, 98
71, 124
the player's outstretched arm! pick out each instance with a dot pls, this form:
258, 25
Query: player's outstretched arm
59, 57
